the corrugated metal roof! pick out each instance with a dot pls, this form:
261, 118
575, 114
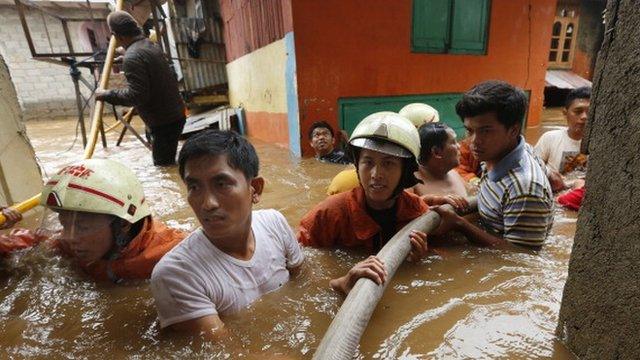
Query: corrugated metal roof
564, 79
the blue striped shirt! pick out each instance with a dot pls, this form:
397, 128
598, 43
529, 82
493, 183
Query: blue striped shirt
515, 200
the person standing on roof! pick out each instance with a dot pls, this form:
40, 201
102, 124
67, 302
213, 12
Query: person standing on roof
152, 88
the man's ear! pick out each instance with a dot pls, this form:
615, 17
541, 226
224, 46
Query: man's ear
515, 130
257, 185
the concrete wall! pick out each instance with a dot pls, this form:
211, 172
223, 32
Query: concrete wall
262, 68
363, 48
257, 83
44, 90
600, 312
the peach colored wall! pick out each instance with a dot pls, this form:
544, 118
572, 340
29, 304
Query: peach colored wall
267, 126
363, 48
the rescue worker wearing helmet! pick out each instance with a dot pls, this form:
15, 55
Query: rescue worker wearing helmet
107, 226
385, 147
418, 113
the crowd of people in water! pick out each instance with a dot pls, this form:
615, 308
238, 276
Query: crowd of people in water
405, 164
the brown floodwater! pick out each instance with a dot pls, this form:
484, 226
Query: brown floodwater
460, 302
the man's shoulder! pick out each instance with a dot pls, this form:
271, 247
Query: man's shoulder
333, 206
552, 135
141, 49
185, 255
528, 179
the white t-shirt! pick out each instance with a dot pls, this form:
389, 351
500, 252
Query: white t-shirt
196, 279
560, 152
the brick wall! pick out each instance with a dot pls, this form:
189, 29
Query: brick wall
44, 90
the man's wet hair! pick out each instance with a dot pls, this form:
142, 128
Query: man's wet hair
508, 102
320, 124
241, 155
432, 135
583, 92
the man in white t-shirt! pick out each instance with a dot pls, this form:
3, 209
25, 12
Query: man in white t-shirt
560, 149
238, 254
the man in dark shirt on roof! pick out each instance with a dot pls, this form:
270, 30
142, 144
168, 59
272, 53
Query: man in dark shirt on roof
322, 140
151, 87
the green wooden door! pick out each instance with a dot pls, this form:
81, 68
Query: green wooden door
353, 110
469, 28
431, 25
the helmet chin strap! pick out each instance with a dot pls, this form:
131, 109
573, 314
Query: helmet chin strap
407, 179
122, 238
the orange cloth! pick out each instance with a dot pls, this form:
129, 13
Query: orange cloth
137, 260
469, 166
18, 239
342, 220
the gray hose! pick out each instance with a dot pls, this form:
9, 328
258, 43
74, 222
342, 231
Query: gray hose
343, 336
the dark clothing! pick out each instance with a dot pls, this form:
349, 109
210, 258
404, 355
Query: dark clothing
336, 157
152, 86
164, 142
386, 219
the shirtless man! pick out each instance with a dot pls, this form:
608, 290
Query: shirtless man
439, 155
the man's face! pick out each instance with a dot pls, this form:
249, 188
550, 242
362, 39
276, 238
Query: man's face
490, 140
451, 150
379, 176
220, 196
322, 141
576, 115
89, 236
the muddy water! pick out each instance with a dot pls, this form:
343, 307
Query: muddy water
460, 302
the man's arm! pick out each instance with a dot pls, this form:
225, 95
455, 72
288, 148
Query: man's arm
210, 326
138, 87
452, 221
371, 268
526, 222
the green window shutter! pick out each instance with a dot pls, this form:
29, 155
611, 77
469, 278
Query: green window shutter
430, 30
470, 26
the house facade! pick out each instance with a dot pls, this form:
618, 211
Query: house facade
338, 61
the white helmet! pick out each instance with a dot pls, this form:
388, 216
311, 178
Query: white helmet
97, 186
420, 114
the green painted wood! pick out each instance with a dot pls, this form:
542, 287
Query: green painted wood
431, 25
469, 27
353, 110
450, 26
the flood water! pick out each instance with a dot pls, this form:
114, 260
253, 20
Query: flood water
458, 303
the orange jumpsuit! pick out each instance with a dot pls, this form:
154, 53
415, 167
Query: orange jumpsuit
135, 261
469, 166
342, 220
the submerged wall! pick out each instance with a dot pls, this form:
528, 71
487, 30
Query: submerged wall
20, 176
600, 312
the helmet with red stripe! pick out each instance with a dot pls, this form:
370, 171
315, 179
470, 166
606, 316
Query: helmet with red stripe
99, 186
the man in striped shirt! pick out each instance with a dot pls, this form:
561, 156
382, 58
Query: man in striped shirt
515, 200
